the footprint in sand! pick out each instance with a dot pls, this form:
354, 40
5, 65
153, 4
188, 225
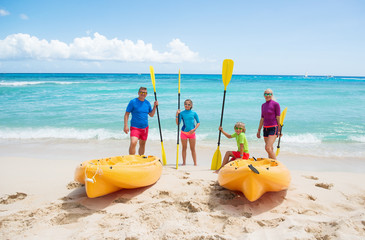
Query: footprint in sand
311, 177
13, 198
324, 185
164, 193
73, 185
310, 197
192, 207
273, 223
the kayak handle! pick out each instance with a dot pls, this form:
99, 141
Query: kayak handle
253, 169
90, 180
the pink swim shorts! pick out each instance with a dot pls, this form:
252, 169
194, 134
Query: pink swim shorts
140, 133
186, 135
237, 155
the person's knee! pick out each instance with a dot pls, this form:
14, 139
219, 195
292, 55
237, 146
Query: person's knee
133, 141
269, 148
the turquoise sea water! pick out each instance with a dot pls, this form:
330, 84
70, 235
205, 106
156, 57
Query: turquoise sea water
323, 112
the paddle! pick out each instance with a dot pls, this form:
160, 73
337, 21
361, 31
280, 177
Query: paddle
158, 116
226, 77
178, 125
282, 117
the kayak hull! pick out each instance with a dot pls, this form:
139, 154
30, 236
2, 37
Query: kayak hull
254, 178
107, 175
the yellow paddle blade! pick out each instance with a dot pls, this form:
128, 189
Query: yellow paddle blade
277, 151
152, 72
227, 71
177, 157
282, 116
179, 80
217, 160
163, 154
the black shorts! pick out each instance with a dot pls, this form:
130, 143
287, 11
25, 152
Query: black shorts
269, 131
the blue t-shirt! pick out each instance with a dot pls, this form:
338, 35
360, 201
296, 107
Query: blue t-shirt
188, 117
140, 110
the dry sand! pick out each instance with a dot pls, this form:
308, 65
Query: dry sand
40, 200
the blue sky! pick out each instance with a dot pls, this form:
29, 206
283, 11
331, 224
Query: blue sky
262, 37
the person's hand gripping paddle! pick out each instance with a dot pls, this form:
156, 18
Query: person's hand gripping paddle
226, 77
158, 116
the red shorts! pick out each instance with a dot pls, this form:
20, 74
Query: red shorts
140, 133
237, 155
186, 135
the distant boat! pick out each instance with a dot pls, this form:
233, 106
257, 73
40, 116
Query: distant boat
306, 74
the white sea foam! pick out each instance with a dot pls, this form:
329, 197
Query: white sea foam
301, 138
25, 83
79, 134
357, 138
59, 133
354, 78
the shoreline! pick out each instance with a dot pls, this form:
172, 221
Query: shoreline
39, 199
82, 150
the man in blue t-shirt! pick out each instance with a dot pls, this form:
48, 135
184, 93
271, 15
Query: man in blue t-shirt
140, 108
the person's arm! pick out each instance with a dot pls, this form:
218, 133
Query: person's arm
197, 123
242, 150
277, 113
225, 133
194, 129
278, 120
126, 116
152, 113
177, 116
260, 126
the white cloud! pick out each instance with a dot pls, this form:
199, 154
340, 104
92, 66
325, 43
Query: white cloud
3, 12
23, 16
96, 48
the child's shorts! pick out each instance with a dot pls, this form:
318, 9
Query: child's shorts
186, 135
270, 131
238, 155
140, 133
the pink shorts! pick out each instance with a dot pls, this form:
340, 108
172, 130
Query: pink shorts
186, 135
238, 155
140, 133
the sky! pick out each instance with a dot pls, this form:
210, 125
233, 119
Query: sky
281, 37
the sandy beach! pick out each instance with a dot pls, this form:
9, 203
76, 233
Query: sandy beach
40, 200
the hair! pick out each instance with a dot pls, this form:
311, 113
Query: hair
142, 88
189, 100
269, 90
241, 125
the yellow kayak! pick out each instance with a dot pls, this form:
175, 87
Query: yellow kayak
254, 178
107, 175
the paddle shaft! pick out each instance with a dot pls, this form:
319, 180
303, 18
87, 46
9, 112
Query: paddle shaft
178, 117
158, 118
224, 99
280, 136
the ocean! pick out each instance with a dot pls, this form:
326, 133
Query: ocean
325, 114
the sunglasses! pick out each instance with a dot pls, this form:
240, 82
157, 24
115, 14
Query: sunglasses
267, 94
237, 128
143, 93
187, 104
